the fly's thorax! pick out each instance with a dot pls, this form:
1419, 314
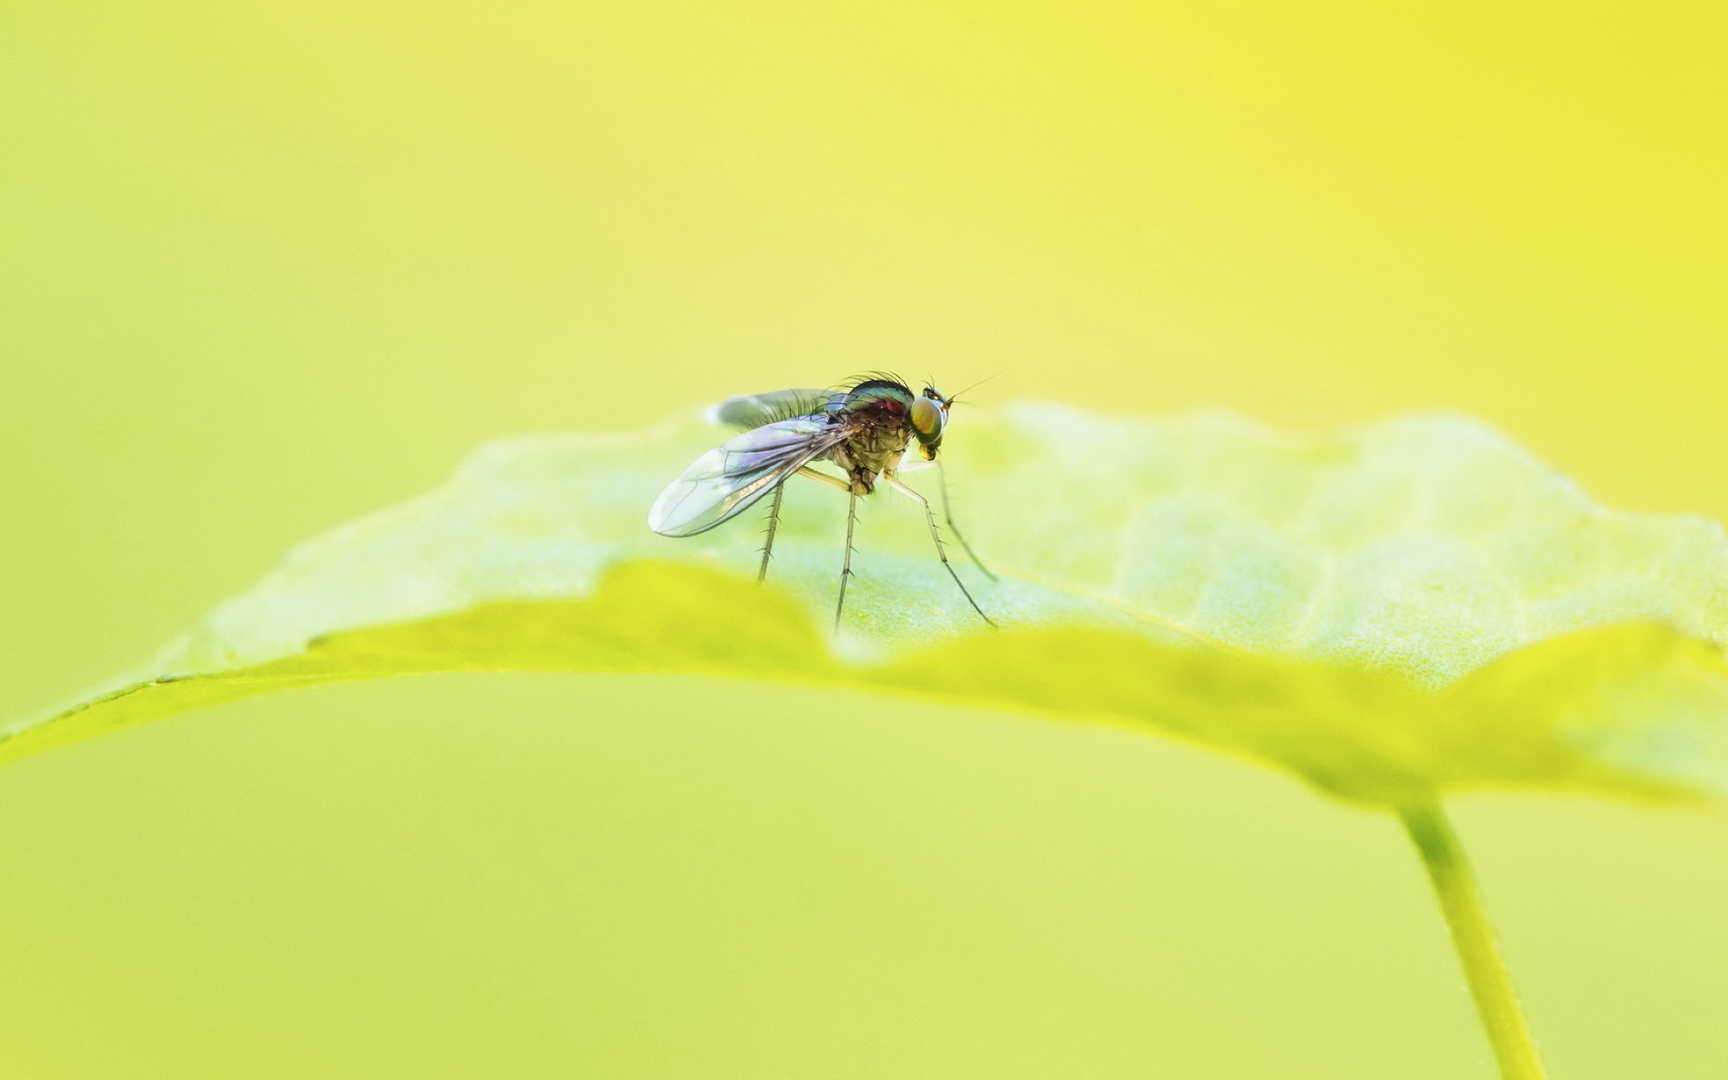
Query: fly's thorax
881, 397
884, 417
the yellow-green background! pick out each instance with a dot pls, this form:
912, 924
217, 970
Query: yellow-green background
265, 267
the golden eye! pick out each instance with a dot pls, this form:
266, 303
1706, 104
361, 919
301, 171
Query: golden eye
926, 418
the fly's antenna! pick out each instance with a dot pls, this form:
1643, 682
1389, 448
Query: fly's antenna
952, 398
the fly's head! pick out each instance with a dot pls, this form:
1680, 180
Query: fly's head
929, 418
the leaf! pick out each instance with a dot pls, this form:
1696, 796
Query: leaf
1410, 607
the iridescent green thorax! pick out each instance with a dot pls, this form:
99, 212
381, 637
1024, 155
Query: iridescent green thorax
876, 412
883, 395
889, 403
883, 417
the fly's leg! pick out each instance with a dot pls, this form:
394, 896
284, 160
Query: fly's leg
851, 524
948, 516
846, 567
936, 535
768, 539
831, 481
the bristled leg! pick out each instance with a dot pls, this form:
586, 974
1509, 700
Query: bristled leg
851, 527
948, 516
768, 537
936, 537
846, 566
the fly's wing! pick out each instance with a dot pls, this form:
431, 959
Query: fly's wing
755, 410
720, 484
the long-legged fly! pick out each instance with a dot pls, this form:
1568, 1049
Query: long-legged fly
864, 430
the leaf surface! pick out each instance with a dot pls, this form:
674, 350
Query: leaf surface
1390, 611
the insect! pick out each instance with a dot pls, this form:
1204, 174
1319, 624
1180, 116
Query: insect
865, 430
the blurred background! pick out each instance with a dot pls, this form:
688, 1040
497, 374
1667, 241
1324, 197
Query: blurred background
267, 267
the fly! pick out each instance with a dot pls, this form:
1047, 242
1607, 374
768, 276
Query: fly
865, 431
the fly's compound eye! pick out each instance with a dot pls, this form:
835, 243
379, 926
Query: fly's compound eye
928, 418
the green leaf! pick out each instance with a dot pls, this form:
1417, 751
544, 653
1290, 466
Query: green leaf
1411, 607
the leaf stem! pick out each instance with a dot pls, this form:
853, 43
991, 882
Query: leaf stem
1472, 935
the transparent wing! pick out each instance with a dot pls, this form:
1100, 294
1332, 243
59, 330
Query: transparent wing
755, 410
721, 483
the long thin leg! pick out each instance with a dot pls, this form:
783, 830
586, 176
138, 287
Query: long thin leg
936, 535
948, 516
831, 481
768, 538
851, 523
846, 567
